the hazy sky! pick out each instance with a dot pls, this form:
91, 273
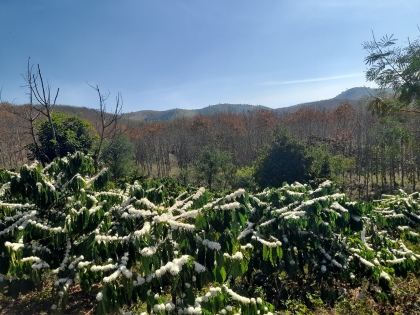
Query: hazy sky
193, 53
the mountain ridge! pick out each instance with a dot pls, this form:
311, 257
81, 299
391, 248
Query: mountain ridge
352, 96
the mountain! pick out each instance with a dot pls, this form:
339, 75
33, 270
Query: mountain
358, 93
230, 108
171, 114
351, 96
165, 115
324, 104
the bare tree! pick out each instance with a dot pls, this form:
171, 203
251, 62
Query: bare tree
107, 128
41, 93
30, 113
43, 96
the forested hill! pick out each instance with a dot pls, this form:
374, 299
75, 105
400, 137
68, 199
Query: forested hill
171, 114
360, 92
351, 96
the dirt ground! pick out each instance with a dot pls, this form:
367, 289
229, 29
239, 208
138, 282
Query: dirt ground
39, 302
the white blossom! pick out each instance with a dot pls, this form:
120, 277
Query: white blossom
148, 203
14, 246
212, 245
31, 258
266, 243
268, 222
364, 261
337, 264
246, 246
247, 230
235, 194
158, 307
237, 256
112, 277
236, 296
336, 206
396, 261
198, 267
127, 273
169, 307
199, 193
40, 265
230, 206
148, 251
174, 270
103, 268
385, 276
183, 226
140, 280
83, 264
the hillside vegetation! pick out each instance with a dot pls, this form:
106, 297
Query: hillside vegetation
367, 155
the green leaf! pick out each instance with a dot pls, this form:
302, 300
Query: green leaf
221, 276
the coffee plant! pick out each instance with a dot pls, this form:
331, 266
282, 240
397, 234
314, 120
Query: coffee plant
185, 251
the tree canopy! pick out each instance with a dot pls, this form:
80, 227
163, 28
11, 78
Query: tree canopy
286, 160
118, 156
214, 166
71, 132
395, 67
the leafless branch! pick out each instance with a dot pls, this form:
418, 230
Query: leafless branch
108, 121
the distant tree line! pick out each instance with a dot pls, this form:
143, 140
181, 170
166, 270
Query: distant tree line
366, 154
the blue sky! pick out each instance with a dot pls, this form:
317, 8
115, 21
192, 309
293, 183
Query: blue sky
193, 53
